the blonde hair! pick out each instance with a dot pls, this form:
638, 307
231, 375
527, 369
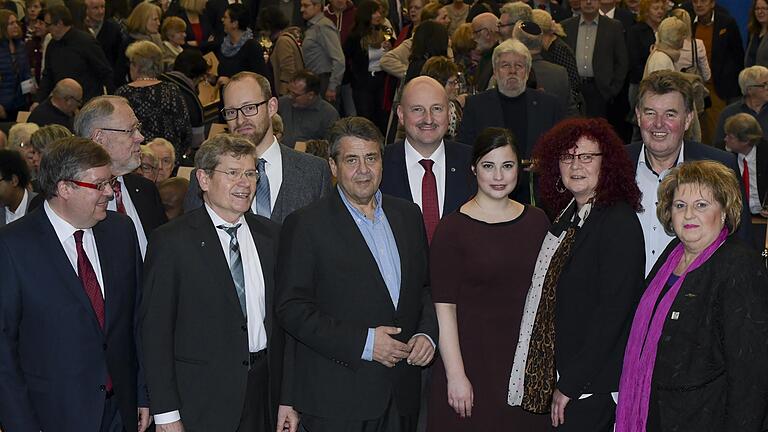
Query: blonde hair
744, 127
462, 41
147, 57
645, 7
137, 20
19, 135
706, 174
548, 25
193, 5
172, 25
672, 32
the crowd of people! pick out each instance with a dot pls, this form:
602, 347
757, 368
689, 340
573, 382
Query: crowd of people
419, 216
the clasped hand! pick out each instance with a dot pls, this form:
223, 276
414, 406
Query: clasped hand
389, 351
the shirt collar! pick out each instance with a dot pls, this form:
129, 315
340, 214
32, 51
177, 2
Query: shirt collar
751, 156
272, 153
217, 220
582, 21
378, 211
414, 156
22, 208
643, 159
711, 21
610, 14
64, 229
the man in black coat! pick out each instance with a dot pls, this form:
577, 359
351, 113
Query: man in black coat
361, 318
108, 33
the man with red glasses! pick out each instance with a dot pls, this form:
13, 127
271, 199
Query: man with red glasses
69, 290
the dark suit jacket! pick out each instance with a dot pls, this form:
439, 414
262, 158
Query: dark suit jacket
625, 17
111, 39
147, 201
553, 79
762, 171
640, 38
306, 179
727, 54
559, 12
709, 373
597, 294
696, 151
460, 184
30, 196
207, 30
330, 292
54, 356
484, 110
609, 60
195, 335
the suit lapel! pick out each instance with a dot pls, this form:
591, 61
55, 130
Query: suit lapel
107, 261
454, 176
599, 38
137, 198
292, 178
400, 171
762, 172
397, 225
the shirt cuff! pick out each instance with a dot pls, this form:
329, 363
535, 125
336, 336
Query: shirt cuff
368, 350
434, 345
168, 417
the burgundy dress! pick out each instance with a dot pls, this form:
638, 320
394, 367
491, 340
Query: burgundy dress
485, 269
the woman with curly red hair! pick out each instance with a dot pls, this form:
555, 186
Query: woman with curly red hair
587, 281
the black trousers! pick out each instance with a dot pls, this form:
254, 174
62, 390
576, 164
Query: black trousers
596, 105
596, 413
255, 416
390, 421
368, 93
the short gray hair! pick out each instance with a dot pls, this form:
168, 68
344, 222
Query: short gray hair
164, 143
515, 47
96, 109
43, 137
19, 135
358, 127
518, 11
751, 76
67, 159
209, 153
671, 33
147, 57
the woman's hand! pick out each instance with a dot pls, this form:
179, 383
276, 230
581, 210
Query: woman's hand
460, 396
559, 401
386, 45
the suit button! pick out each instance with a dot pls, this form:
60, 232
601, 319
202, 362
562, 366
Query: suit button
104, 347
102, 387
244, 328
245, 362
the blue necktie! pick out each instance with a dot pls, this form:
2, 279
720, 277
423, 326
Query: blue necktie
236, 265
262, 192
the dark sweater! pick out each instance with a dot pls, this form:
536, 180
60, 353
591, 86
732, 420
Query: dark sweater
46, 113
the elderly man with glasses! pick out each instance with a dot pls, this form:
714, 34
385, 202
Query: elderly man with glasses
60, 108
754, 86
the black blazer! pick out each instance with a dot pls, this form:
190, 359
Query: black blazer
195, 335
146, 199
625, 17
484, 110
205, 25
111, 38
709, 374
695, 151
596, 298
460, 184
727, 54
640, 38
559, 12
54, 356
330, 292
762, 171
609, 59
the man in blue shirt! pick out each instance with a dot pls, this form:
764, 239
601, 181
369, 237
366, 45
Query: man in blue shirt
353, 291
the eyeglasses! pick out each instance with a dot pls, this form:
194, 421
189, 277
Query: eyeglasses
97, 186
477, 32
79, 102
148, 168
567, 158
131, 131
761, 85
248, 110
296, 95
237, 174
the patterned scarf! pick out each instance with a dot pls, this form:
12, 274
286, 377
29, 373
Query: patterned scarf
640, 355
228, 49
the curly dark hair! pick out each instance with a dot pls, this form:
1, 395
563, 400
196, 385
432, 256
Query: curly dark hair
617, 175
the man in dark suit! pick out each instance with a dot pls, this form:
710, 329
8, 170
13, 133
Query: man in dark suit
601, 56
611, 9
288, 179
664, 112
15, 195
423, 112
527, 113
213, 352
555, 9
353, 292
70, 274
744, 137
110, 122
108, 33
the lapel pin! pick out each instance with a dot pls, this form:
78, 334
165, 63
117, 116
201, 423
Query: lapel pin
453, 169
675, 315
137, 190
202, 244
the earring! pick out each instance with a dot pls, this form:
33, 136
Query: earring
559, 186
722, 219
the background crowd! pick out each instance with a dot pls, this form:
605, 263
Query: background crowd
383, 216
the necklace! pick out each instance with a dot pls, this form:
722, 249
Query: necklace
145, 79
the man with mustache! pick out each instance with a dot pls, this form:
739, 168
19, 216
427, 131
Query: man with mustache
353, 292
288, 179
70, 279
424, 168
527, 113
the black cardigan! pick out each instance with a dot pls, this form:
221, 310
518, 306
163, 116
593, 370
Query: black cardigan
710, 372
596, 298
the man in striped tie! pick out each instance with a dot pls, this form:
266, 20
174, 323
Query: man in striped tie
213, 353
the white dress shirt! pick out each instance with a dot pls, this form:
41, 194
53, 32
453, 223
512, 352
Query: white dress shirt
610, 14
656, 240
21, 210
273, 165
416, 172
254, 290
754, 195
66, 234
130, 211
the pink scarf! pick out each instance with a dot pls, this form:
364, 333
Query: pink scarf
640, 355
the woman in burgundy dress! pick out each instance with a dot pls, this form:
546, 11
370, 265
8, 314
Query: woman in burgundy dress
482, 259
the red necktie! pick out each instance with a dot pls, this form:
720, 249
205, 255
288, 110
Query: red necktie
745, 178
117, 188
91, 285
429, 205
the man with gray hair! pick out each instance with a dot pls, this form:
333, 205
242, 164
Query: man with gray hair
362, 315
110, 122
321, 48
61, 106
485, 32
528, 114
215, 265
753, 82
511, 14
550, 77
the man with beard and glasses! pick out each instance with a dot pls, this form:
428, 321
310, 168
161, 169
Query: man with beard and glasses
528, 114
288, 179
